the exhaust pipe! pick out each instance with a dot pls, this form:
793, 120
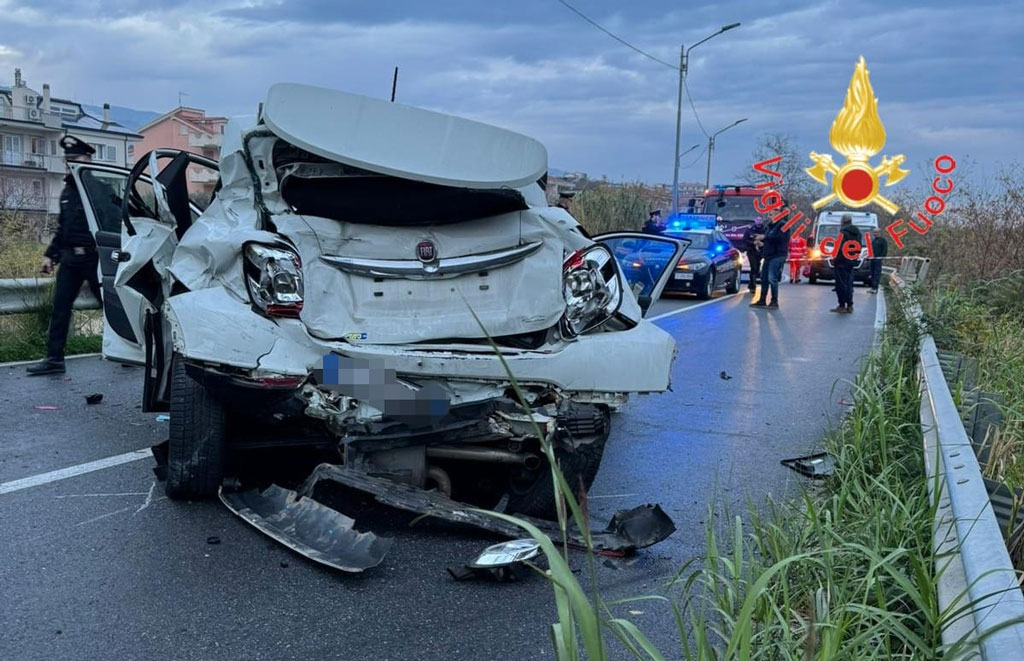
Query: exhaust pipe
530, 461
438, 476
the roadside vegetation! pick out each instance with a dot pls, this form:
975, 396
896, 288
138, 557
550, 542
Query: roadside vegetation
23, 336
844, 572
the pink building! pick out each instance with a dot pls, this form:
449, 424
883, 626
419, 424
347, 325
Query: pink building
188, 129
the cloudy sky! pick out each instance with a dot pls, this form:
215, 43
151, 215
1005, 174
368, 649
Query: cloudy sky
949, 75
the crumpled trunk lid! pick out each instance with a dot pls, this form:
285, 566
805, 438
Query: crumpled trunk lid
523, 295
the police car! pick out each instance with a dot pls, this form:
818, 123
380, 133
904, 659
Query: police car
710, 262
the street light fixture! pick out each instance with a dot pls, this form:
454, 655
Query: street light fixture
711, 148
684, 58
680, 157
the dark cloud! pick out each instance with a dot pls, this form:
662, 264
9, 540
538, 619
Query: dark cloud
947, 76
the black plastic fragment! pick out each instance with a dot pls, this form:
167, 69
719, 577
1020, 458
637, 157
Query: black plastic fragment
308, 527
94, 398
816, 466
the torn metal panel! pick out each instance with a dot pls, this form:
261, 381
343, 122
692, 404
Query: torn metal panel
312, 529
630, 530
402, 141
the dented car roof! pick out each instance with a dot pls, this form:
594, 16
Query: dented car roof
402, 141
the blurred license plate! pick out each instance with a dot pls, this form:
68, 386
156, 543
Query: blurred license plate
684, 276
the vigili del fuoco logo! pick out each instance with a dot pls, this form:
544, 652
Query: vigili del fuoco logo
857, 133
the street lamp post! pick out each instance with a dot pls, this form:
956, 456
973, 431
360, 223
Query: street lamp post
711, 148
684, 58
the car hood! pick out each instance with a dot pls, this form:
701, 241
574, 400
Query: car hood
402, 141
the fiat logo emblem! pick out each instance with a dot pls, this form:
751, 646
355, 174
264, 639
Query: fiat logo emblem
426, 251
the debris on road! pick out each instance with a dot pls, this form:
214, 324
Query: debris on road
213, 539
327, 536
45, 407
724, 375
502, 562
312, 529
163, 417
816, 466
94, 398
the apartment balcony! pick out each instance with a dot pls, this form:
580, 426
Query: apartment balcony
29, 160
203, 176
205, 141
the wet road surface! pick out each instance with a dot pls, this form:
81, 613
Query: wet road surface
101, 565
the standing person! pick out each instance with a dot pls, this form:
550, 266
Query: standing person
774, 247
751, 245
797, 252
880, 248
74, 249
849, 239
653, 224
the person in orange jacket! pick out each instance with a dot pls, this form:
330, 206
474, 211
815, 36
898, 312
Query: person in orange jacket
797, 255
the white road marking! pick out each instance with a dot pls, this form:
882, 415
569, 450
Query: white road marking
103, 516
101, 495
694, 307
73, 471
149, 498
66, 358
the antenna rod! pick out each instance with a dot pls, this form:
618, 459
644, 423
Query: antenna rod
394, 85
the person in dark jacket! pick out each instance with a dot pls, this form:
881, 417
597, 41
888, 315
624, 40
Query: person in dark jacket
849, 240
753, 250
880, 248
653, 224
74, 249
774, 249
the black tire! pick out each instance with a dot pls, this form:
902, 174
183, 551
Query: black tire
734, 284
709, 287
812, 279
198, 438
536, 495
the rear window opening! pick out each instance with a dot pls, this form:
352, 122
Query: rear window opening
312, 185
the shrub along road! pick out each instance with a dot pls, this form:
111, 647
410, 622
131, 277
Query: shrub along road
100, 565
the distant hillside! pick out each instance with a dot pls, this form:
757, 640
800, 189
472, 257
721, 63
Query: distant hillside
126, 117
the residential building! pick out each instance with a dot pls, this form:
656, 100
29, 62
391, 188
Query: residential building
31, 160
188, 129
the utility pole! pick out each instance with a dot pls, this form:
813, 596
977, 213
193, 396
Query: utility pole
684, 58
711, 148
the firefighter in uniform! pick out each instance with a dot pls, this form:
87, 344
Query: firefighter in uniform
74, 249
797, 253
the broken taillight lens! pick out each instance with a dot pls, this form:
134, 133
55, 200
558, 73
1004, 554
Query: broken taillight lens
274, 277
591, 288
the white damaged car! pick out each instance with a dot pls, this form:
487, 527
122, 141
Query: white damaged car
343, 290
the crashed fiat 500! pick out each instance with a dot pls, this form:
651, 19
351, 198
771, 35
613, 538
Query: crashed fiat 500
365, 278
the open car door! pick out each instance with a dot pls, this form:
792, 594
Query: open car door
137, 217
646, 262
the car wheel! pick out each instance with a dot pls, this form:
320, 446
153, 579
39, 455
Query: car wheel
734, 283
709, 287
197, 445
812, 279
533, 492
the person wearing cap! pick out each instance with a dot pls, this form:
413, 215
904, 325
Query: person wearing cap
653, 224
848, 242
73, 248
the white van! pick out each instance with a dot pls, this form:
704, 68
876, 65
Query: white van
827, 225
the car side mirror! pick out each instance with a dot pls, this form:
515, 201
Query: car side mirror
721, 203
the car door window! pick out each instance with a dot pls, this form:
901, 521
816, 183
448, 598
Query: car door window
104, 191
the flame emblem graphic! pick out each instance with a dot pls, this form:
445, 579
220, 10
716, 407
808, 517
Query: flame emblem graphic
857, 133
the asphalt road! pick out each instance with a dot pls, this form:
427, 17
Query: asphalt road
101, 565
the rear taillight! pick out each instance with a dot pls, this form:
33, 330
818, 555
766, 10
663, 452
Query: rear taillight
274, 277
591, 288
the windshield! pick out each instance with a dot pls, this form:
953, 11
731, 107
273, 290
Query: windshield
699, 240
825, 231
735, 208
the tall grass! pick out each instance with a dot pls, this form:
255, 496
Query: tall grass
844, 572
607, 208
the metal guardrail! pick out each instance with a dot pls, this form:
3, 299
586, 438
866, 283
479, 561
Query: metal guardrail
19, 295
972, 561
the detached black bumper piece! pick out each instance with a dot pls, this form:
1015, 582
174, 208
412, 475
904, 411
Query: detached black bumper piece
312, 529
